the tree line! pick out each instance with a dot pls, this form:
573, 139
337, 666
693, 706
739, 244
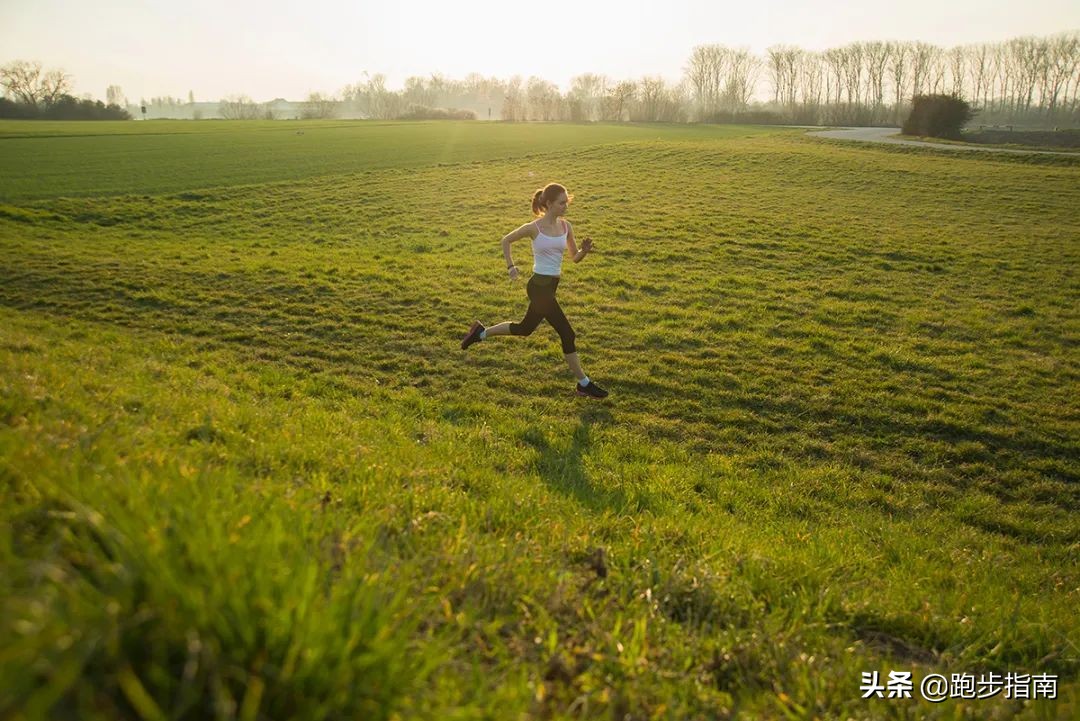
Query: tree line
1022, 81
1026, 80
30, 93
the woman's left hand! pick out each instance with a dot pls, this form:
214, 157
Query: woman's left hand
586, 245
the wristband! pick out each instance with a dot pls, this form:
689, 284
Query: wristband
510, 266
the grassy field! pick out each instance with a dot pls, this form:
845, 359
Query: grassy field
247, 473
1064, 141
162, 156
1067, 139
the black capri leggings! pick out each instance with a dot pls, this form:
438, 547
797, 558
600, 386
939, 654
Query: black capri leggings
542, 305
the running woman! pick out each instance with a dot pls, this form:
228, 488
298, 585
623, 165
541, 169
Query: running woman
551, 235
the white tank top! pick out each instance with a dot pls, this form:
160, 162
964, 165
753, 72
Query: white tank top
548, 251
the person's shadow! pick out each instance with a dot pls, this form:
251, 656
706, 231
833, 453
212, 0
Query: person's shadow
564, 470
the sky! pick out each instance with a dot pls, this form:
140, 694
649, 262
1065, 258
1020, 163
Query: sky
267, 49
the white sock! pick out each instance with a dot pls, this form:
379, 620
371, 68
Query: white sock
483, 334
584, 381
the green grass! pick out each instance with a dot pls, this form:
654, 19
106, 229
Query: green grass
245, 471
976, 140
168, 156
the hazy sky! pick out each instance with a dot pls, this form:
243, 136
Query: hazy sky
287, 48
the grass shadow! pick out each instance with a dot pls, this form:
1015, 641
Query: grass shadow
563, 467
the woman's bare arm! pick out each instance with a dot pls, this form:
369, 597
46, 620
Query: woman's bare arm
586, 245
524, 231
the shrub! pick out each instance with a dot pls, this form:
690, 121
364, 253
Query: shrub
743, 117
239, 107
938, 116
12, 109
760, 117
422, 112
65, 107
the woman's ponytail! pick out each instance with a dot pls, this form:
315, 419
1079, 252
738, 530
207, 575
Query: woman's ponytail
538, 204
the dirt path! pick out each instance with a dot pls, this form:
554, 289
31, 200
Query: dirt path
883, 135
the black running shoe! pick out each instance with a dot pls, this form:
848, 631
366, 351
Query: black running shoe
591, 390
473, 336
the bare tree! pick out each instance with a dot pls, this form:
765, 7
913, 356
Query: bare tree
20, 81
651, 92
743, 69
53, 85
899, 67
418, 91
677, 106
922, 58
846, 70
354, 96
438, 87
587, 92
378, 97
938, 68
514, 105
706, 70
811, 80
833, 62
1065, 57
239, 107
958, 62
484, 93
782, 61
658, 102
376, 100
25, 82
778, 73
1074, 94
1026, 55
876, 55
320, 107
1062, 59
543, 99
851, 67
978, 68
1003, 76
620, 97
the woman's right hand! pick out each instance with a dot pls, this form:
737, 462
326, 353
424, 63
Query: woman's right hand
513, 271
